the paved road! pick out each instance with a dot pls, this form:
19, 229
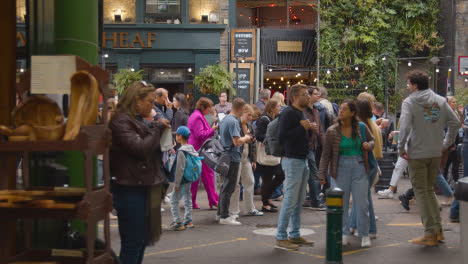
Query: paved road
253, 242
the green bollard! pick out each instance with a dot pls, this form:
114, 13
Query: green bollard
334, 226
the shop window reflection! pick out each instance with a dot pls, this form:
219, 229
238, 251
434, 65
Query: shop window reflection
162, 11
119, 11
205, 12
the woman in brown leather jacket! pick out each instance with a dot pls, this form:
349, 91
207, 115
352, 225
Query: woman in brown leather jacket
135, 160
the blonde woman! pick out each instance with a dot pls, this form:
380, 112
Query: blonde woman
279, 97
247, 165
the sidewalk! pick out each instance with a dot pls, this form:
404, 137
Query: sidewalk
253, 242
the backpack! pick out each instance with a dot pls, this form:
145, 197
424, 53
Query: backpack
215, 156
272, 143
193, 168
192, 171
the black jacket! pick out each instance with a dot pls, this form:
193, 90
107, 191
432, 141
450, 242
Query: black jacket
292, 134
180, 119
262, 123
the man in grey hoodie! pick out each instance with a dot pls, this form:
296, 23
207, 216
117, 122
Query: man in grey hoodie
424, 115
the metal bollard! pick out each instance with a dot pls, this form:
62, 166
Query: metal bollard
334, 226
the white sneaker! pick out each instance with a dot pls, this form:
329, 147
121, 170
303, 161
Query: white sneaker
228, 221
345, 240
167, 199
386, 193
365, 242
256, 212
235, 216
217, 217
162, 209
372, 236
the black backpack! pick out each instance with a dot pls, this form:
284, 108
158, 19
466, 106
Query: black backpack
215, 156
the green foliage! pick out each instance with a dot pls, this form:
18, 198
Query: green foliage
124, 78
214, 79
359, 32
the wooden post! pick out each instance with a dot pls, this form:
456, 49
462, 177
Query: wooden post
7, 103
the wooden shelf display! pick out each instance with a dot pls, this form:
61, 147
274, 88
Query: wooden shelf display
89, 204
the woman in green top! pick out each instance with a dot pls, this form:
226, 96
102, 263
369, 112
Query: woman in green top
344, 158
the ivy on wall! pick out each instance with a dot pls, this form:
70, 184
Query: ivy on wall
359, 32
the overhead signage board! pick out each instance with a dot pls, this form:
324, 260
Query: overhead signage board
243, 44
289, 46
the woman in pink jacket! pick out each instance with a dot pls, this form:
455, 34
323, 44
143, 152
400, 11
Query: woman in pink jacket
201, 131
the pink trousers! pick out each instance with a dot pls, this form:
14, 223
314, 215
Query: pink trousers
207, 177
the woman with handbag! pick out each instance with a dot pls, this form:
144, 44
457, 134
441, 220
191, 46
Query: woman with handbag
268, 166
135, 160
200, 132
364, 109
344, 157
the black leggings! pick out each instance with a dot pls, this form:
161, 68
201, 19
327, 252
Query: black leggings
272, 178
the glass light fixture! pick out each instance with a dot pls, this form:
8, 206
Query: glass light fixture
189, 69
213, 17
356, 68
409, 64
437, 70
328, 71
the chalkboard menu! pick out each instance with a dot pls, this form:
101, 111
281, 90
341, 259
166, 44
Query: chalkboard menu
244, 90
243, 44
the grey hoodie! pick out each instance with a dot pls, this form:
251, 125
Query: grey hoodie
181, 160
424, 116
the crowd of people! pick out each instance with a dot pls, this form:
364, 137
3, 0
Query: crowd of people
325, 145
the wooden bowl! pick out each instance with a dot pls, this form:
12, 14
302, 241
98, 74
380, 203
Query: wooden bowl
49, 132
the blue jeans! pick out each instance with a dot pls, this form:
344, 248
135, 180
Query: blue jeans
257, 176
277, 192
353, 179
130, 203
372, 222
455, 208
314, 183
183, 192
297, 174
443, 185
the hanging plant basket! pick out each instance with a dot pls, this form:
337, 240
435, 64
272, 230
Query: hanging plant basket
214, 79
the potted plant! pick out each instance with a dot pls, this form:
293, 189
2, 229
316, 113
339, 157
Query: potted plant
214, 79
124, 78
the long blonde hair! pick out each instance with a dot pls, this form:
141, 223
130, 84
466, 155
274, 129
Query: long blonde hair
128, 103
279, 97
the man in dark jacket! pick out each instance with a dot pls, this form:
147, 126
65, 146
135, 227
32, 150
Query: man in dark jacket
294, 131
316, 140
162, 105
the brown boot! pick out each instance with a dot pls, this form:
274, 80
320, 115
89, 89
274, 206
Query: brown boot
440, 235
426, 240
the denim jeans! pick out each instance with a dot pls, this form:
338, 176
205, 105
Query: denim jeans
443, 185
353, 179
372, 222
277, 192
257, 176
297, 174
314, 183
455, 208
130, 203
186, 195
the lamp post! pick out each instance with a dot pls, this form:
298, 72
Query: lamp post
386, 58
104, 57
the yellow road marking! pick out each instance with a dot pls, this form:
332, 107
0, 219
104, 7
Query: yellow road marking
406, 224
347, 252
198, 246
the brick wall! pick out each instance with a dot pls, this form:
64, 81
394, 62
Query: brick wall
127, 8
224, 15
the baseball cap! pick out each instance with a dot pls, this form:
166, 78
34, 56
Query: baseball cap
183, 131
